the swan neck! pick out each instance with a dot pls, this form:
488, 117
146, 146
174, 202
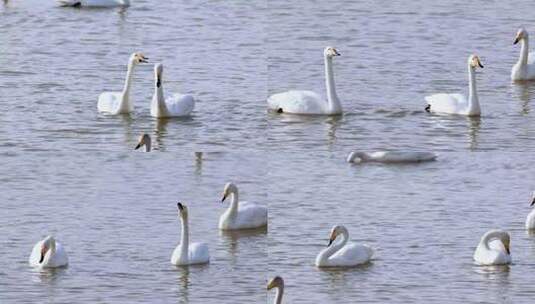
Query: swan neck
524, 51
184, 243
125, 102
233, 209
332, 99
159, 99
473, 101
333, 248
278, 295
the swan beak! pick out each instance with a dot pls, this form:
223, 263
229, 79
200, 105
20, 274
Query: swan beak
158, 82
138, 146
180, 206
224, 198
144, 59
516, 40
479, 63
532, 202
336, 53
507, 249
44, 249
330, 242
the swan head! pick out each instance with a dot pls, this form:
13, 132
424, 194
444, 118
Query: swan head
229, 189
335, 232
520, 35
137, 58
358, 156
48, 243
330, 52
474, 61
275, 282
144, 140
532, 199
158, 71
182, 210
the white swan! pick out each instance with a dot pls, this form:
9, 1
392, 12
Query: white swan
119, 102
524, 69
457, 103
530, 219
245, 216
175, 106
144, 140
48, 253
187, 253
493, 249
93, 3
391, 157
308, 102
277, 282
341, 254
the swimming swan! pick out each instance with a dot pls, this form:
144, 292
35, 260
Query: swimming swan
530, 219
457, 103
341, 254
277, 282
175, 106
391, 157
493, 249
144, 140
186, 253
308, 102
94, 3
245, 216
119, 102
48, 253
524, 69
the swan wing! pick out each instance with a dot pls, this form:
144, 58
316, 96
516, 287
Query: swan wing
497, 254
251, 215
297, 102
93, 3
199, 253
403, 157
352, 254
59, 258
447, 103
108, 102
180, 104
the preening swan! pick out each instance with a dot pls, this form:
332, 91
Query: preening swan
144, 140
93, 3
186, 253
175, 106
493, 249
524, 69
390, 157
457, 103
530, 219
241, 215
48, 253
277, 282
308, 102
119, 102
342, 254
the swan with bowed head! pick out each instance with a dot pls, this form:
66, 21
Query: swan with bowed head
119, 102
341, 253
48, 253
277, 282
241, 214
524, 69
187, 253
94, 3
178, 105
493, 249
391, 157
144, 140
458, 103
309, 102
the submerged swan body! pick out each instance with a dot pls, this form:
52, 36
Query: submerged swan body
391, 157
144, 140
187, 253
308, 102
94, 3
530, 219
342, 253
241, 215
175, 106
48, 253
493, 249
277, 282
458, 103
119, 102
524, 69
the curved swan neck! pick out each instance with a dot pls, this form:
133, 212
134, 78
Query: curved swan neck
278, 295
233, 209
332, 99
489, 236
473, 101
334, 247
184, 242
524, 50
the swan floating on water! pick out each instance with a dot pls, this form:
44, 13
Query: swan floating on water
241, 215
187, 253
493, 249
175, 106
308, 102
342, 254
524, 69
48, 253
530, 219
94, 3
277, 282
144, 140
391, 157
119, 102
458, 103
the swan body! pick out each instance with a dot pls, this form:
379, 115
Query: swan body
458, 103
175, 106
144, 140
391, 157
94, 3
524, 68
119, 102
277, 282
187, 253
241, 215
530, 219
308, 102
493, 249
342, 253
48, 253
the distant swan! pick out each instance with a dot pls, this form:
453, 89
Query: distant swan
94, 3
524, 69
119, 102
245, 216
144, 140
342, 254
187, 253
48, 253
175, 106
457, 103
277, 282
391, 157
493, 249
308, 102
530, 219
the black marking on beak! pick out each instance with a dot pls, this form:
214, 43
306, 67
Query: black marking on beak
180, 206
144, 59
516, 40
330, 242
336, 53
42, 258
428, 108
224, 198
479, 63
279, 110
138, 146
532, 202
508, 251
158, 81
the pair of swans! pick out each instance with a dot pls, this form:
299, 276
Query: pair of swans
115, 103
391, 157
48, 253
94, 3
